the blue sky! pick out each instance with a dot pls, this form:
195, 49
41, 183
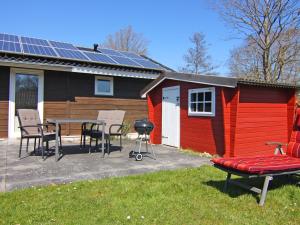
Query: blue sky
166, 24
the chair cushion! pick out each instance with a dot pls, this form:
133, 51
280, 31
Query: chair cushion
260, 164
293, 148
111, 117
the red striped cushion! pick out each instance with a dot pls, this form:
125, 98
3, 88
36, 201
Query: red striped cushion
260, 164
293, 148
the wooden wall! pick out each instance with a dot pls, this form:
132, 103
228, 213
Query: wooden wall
3, 119
246, 118
196, 132
87, 107
4, 96
263, 114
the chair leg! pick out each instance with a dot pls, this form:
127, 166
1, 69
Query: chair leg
81, 139
43, 150
27, 145
121, 143
60, 142
265, 190
108, 147
227, 182
34, 147
90, 148
21, 141
97, 146
47, 148
84, 140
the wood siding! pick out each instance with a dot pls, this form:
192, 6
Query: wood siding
4, 96
263, 114
63, 86
87, 107
246, 118
3, 119
196, 133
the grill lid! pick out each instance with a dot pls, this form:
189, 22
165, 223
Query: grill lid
143, 126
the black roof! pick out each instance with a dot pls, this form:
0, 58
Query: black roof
213, 80
18, 47
13, 58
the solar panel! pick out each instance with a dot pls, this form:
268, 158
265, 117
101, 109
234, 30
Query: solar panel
70, 54
8, 37
63, 45
38, 50
125, 61
97, 57
34, 41
40, 47
110, 52
8, 46
132, 55
148, 64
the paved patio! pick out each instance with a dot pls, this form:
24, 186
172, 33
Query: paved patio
78, 164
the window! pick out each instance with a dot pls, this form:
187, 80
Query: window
104, 85
202, 102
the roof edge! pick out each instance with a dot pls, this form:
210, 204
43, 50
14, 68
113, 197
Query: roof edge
192, 78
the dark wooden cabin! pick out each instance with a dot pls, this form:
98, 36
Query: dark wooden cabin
74, 83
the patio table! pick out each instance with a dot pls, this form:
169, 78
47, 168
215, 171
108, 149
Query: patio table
57, 122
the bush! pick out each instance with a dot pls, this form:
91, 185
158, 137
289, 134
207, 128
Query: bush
126, 128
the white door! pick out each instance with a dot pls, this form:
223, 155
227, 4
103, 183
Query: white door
171, 116
26, 91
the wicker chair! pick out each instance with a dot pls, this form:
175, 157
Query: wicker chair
32, 128
114, 123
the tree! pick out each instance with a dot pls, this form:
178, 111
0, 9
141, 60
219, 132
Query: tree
245, 61
127, 39
196, 59
272, 28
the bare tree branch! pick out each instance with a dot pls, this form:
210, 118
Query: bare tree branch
196, 58
272, 32
127, 39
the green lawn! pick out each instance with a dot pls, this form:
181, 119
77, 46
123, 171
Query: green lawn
186, 196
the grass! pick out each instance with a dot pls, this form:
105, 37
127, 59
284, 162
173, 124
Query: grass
186, 196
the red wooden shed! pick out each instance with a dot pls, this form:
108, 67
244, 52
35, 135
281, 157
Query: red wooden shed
219, 115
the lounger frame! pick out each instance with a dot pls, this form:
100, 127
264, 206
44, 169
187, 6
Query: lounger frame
268, 177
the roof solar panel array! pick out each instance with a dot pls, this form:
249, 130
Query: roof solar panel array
34, 41
40, 47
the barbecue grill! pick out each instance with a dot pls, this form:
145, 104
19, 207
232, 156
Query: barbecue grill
143, 127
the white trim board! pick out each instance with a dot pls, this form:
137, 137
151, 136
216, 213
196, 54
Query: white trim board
11, 105
74, 69
116, 73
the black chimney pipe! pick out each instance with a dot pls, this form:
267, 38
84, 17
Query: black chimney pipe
96, 47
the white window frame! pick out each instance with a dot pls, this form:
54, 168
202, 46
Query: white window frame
111, 79
213, 101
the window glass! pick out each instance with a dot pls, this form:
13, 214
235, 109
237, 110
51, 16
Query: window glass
193, 107
208, 107
207, 96
193, 97
103, 86
200, 107
200, 97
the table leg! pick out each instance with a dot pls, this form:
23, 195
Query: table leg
103, 133
56, 142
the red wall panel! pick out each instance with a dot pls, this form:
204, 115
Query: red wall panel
246, 118
262, 116
196, 133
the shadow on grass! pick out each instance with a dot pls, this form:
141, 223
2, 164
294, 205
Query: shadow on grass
235, 191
